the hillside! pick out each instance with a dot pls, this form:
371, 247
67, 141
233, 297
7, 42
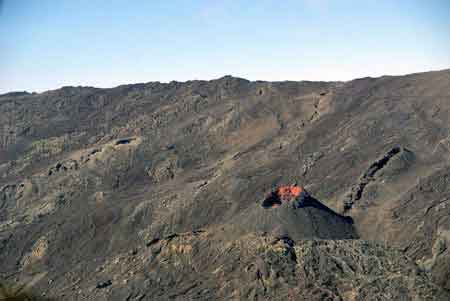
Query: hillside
154, 190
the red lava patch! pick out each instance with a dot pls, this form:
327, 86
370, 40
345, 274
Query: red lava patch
284, 193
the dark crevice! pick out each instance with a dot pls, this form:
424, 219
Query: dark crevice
379, 164
94, 151
104, 284
357, 190
124, 141
152, 242
171, 236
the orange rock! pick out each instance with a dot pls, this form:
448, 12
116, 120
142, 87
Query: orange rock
287, 192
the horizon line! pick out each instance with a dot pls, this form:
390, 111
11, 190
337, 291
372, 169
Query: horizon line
215, 79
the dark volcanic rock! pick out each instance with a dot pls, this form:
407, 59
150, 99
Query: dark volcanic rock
87, 174
310, 219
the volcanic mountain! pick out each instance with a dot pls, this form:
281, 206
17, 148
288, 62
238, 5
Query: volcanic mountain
159, 190
295, 216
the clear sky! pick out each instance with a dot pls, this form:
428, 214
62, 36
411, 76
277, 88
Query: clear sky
46, 44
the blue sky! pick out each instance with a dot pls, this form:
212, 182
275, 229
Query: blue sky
46, 44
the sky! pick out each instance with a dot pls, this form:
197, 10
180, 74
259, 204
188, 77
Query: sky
46, 44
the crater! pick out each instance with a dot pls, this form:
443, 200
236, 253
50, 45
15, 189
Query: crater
284, 194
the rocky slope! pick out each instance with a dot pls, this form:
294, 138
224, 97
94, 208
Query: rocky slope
98, 185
